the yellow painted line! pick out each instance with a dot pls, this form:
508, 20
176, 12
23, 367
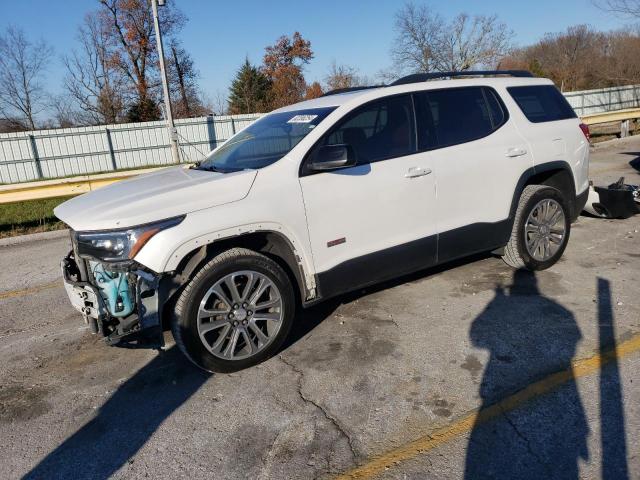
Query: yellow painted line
30, 290
615, 116
579, 368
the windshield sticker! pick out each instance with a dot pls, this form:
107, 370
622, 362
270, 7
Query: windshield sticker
303, 119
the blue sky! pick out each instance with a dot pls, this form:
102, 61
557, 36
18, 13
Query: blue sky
356, 32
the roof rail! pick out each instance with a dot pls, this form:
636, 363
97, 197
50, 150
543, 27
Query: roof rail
350, 89
423, 77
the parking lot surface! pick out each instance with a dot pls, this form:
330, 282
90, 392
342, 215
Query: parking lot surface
471, 370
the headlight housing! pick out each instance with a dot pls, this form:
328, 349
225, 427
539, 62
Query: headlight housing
120, 245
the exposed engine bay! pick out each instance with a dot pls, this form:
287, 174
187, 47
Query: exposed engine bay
117, 300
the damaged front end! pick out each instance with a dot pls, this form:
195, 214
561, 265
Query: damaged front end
118, 298
119, 302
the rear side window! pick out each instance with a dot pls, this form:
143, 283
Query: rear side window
377, 131
542, 103
458, 115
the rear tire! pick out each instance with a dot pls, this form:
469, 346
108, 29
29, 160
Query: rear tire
541, 229
235, 313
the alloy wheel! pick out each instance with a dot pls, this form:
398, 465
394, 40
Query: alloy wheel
240, 315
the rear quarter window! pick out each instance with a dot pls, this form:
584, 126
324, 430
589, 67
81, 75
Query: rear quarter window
542, 103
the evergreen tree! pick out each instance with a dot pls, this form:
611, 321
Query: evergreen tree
249, 90
143, 111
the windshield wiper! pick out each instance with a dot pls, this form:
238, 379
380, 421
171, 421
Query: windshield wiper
213, 168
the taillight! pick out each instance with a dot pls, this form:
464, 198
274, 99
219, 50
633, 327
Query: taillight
585, 129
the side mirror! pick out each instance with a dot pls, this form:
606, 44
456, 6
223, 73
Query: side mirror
332, 157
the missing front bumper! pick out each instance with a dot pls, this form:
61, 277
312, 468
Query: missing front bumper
141, 329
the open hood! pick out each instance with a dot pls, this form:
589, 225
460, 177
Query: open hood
154, 196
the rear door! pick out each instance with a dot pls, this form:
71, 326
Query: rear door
378, 219
553, 129
478, 156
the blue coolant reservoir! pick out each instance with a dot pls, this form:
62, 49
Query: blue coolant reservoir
114, 289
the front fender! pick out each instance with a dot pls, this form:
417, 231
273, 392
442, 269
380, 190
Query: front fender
160, 256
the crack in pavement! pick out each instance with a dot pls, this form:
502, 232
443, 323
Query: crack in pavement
527, 443
334, 421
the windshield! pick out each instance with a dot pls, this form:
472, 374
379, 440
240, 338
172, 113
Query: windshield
266, 141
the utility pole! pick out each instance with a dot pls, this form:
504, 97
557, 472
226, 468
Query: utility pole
173, 132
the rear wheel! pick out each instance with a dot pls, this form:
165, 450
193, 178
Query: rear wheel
540, 230
236, 312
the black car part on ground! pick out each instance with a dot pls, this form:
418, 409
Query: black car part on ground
618, 200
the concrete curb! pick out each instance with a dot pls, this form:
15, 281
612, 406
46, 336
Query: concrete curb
614, 141
33, 237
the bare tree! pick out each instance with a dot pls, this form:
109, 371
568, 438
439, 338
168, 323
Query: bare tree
64, 113
469, 42
183, 83
419, 33
22, 66
569, 57
93, 79
426, 42
217, 104
343, 76
621, 58
627, 8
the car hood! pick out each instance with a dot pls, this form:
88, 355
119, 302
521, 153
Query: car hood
154, 196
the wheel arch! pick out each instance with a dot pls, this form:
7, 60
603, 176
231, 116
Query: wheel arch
274, 245
557, 174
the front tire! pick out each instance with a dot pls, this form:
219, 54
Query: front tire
235, 313
540, 231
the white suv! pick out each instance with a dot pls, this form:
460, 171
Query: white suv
323, 197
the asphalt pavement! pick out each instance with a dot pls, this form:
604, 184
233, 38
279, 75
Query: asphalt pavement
470, 370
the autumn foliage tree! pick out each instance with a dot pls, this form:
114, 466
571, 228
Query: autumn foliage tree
582, 58
129, 24
283, 65
343, 76
313, 91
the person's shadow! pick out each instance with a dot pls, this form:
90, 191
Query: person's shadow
528, 337
125, 422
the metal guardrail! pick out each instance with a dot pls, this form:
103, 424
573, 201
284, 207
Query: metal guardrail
63, 187
617, 116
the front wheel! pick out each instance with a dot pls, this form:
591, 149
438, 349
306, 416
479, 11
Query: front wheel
235, 313
541, 229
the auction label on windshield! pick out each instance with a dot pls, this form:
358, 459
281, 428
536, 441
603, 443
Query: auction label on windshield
303, 119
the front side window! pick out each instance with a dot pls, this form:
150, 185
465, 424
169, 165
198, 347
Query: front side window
458, 115
377, 131
265, 141
542, 103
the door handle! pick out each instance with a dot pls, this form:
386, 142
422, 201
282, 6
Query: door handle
414, 172
516, 152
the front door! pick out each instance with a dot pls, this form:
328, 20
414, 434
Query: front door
375, 220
